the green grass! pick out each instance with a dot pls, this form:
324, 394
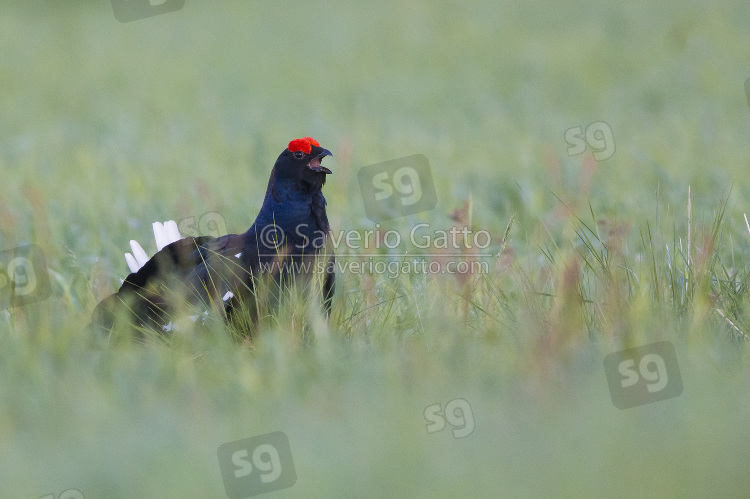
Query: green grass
106, 127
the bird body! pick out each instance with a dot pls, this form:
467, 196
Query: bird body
289, 235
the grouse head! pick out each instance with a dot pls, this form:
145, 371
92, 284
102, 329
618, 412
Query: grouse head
300, 164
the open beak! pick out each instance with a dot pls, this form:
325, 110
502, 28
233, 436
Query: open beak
315, 165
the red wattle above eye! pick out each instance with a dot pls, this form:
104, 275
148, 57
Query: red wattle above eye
305, 145
300, 145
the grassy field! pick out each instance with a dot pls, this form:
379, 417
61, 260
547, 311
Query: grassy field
106, 127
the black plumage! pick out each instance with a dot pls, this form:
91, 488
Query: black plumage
289, 239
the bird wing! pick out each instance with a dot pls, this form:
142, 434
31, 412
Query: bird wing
141, 293
318, 208
217, 267
179, 257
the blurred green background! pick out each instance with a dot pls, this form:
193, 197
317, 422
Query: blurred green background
106, 127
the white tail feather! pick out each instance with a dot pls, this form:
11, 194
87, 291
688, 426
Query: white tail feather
164, 234
140, 256
132, 264
160, 235
173, 233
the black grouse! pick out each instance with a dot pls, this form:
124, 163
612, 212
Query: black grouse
289, 238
